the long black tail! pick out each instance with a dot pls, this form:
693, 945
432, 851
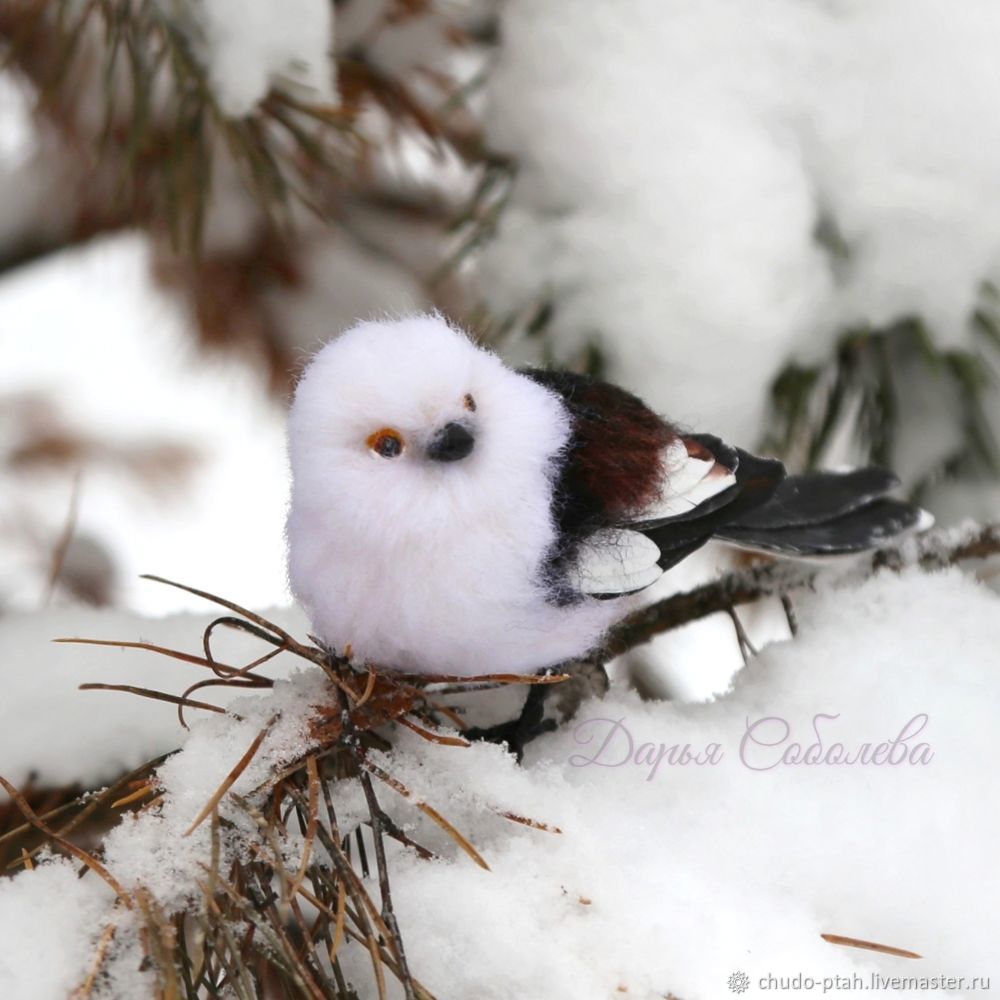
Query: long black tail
826, 513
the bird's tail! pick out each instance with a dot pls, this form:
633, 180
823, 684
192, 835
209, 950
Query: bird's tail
826, 513
763, 508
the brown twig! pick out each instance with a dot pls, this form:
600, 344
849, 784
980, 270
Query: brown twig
882, 949
88, 803
933, 550
81, 855
388, 913
64, 541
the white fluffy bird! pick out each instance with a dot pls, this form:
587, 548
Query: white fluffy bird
450, 515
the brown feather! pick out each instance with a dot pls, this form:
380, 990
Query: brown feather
613, 468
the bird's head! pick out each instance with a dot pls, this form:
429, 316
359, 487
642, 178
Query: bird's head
409, 422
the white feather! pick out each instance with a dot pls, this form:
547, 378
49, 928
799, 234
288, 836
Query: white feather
719, 479
688, 482
616, 561
683, 470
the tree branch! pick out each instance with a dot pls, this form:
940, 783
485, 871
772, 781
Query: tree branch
932, 550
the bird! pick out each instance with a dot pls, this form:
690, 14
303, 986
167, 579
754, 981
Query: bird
454, 516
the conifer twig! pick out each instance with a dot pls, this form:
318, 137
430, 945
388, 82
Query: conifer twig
932, 550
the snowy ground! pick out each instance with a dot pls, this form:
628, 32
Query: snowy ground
665, 879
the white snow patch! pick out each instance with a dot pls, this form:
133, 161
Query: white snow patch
251, 47
154, 849
51, 922
151, 850
677, 158
705, 870
54, 733
664, 881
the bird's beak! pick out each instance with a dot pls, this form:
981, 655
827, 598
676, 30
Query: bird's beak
452, 442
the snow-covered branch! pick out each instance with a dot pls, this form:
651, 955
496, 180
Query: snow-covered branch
932, 550
577, 873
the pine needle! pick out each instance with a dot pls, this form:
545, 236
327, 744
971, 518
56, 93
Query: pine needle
251, 616
155, 695
448, 741
147, 789
150, 647
86, 988
311, 826
527, 821
882, 949
77, 852
429, 811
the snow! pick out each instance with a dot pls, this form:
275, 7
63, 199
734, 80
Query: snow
343, 280
660, 881
55, 904
677, 160
153, 850
694, 872
251, 47
57, 735
906, 150
119, 368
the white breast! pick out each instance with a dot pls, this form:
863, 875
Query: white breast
467, 599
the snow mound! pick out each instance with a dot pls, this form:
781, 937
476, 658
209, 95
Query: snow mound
669, 878
731, 859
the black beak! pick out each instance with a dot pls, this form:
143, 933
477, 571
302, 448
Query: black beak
451, 443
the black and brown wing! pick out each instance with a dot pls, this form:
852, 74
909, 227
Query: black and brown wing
635, 495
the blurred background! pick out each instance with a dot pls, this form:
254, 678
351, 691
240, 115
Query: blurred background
777, 221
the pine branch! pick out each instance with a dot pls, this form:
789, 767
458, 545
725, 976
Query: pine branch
164, 132
861, 388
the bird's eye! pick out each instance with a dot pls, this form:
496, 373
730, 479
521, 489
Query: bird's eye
387, 442
469, 402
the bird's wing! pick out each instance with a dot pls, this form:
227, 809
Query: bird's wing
629, 475
626, 468
735, 486
819, 496
612, 562
695, 471
817, 514
706, 485
828, 513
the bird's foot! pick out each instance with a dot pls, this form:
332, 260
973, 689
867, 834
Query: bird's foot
515, 736
519, 732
